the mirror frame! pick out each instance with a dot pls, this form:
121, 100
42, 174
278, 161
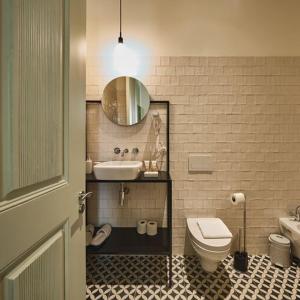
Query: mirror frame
129, 94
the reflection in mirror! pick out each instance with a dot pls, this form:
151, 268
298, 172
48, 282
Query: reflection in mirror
125, 101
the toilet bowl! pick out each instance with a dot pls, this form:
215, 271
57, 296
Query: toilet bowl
211, 240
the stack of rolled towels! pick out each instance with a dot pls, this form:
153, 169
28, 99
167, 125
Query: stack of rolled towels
148, 227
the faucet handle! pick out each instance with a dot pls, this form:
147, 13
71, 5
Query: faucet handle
117, 150
135, 150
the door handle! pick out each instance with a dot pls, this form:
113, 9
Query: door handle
82, 197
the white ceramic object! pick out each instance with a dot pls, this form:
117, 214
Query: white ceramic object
291, 229
117, 170
210, 251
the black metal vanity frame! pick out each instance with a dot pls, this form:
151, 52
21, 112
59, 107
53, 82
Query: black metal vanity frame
125, 240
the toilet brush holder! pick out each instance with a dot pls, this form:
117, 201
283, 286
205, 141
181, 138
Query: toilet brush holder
240, 259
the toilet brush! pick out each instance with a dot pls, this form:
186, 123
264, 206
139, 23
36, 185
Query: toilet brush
240, 260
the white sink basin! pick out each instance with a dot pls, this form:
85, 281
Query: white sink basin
117, 170
291, 229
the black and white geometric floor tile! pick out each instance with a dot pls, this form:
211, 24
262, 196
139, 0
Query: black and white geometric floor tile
145, 278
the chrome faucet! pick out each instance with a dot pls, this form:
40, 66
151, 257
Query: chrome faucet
123, 152
117, 150
297, 213
135, 150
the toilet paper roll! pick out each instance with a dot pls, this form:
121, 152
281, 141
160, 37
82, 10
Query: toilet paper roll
141, 226
237, 198
152, 228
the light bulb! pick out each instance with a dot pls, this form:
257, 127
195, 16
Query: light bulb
125, 60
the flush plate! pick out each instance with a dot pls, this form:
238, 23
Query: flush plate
201, 163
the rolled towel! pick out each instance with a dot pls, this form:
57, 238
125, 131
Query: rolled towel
89, 232
152, 228
141, 226
101, 235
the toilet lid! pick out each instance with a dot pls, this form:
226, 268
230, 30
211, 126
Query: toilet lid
213, 228
218, 244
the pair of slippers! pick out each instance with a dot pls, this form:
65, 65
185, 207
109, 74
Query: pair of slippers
100, 236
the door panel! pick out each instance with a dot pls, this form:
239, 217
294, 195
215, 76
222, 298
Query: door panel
42, 149
33, 120
41, 275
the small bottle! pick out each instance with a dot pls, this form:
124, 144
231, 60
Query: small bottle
147, 164
154, 166
88, 166
151, 171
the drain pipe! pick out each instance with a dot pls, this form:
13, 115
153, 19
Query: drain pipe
123, 191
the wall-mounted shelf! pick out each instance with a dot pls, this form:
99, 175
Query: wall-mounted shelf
163, 176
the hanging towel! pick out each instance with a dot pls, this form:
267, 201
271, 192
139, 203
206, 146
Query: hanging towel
213, 228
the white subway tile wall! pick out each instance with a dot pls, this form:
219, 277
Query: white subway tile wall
244, 111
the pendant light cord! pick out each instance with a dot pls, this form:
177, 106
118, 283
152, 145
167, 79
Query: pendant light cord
120, 37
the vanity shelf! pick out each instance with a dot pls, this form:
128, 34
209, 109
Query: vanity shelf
163, 176
125, 240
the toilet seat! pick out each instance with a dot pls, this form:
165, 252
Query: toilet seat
217, 245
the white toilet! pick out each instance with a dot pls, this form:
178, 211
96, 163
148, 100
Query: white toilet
211, 239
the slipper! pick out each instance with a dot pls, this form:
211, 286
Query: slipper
101, 235
89, 232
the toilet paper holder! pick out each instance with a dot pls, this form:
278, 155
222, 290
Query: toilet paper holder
237, 198
241, 257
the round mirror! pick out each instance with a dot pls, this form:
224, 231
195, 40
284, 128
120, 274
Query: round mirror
125, 101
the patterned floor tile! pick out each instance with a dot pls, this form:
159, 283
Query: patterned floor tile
122, 292
98, 292
148, 291
146, 278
